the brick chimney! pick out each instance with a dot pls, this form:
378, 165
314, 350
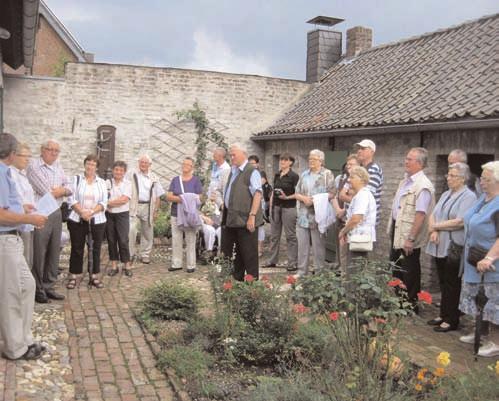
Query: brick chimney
359, 39
323, 47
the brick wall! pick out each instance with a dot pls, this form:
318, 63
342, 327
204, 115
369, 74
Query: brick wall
141, 102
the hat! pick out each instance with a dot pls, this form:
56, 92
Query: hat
367, 143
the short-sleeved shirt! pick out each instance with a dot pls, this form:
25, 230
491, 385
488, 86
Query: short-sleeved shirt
117, 191
255, 181
144, 189
363, 203
9, 197
450, 206
375, 185
193, 186
423, 201
288, 185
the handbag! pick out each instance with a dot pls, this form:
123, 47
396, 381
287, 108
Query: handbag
476, 254
65, 211
360, 242
454, 252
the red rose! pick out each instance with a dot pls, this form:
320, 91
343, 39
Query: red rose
228, 286
300, 308
249, 278
424, 296
395, 282
334, 316
291, 280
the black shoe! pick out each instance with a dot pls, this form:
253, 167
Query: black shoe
112, 272
54, 295
270, 265
128, 272
174, 269
38, 347
291, 268
41, 298
31, 354
435, 322
440, 329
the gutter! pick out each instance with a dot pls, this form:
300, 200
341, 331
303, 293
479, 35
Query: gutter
388, 129
30, 20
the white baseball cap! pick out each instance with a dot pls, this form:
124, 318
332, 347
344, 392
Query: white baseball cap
367, 143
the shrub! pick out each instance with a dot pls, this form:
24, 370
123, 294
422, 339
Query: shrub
162, 226
187, 361
309, 342
169, 301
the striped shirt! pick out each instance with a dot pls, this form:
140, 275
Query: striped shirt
375, 185
43, 177
80, 194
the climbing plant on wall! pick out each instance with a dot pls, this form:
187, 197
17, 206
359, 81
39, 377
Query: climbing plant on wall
204, 135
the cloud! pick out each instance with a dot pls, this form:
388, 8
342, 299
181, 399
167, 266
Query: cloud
214, 54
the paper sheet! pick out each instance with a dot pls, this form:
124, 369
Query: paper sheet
46, 205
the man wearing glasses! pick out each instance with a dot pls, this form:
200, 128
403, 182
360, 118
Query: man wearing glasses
46, 175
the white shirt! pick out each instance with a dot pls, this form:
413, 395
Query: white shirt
117, 191
25, 191
363, 203
145, 187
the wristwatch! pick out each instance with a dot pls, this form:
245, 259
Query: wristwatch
252, 214
489, 258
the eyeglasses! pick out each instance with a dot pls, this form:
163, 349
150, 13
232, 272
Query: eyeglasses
53, 150
451, 176
22, 155
314, 159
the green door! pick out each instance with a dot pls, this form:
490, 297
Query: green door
334, 162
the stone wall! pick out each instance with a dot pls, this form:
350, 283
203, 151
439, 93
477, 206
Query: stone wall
141, 102
390, 154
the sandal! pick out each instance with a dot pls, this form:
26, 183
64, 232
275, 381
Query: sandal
96, 283
112, 272
71, 285
128, 272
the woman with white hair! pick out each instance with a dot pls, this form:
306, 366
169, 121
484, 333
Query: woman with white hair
315, 180
446, 242
481, 258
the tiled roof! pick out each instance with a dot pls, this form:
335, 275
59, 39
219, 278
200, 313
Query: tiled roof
450, 74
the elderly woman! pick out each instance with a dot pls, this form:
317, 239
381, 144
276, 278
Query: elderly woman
88, 203
313, 181
25, 190
361, 213
118, 219
481, 256
186, 183
446, 230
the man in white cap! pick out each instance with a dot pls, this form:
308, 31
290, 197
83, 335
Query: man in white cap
365, 154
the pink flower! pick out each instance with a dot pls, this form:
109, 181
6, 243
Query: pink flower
424, 296
334, 316
249, 278
395, 283
300, 308
227, 286
291, 280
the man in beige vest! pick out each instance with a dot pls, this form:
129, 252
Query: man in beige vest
408, 225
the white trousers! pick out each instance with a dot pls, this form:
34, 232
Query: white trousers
17, 297
210, 233
178, 246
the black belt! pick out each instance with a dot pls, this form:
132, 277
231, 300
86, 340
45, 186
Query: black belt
11, 232
144, 202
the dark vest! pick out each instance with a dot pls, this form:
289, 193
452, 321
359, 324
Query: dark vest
240, 201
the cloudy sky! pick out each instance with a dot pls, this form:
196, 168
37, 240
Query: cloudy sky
264, 37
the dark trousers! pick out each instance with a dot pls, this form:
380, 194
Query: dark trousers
78, 233
409, 271
117, 229
450, 287
245, 245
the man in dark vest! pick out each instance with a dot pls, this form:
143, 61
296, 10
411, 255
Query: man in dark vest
242, 214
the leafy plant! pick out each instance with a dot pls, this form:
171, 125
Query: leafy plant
162, 225
187, 361
169, 301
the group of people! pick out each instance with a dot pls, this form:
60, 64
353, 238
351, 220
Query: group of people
460, 230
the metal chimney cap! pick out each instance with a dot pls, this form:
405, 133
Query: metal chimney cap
325, 21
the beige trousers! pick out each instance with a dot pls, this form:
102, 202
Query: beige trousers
17, 297
140, 222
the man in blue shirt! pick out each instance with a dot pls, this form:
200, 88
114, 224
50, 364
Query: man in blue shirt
17, 285
242, 214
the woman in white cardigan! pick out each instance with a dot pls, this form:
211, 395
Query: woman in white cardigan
88, 203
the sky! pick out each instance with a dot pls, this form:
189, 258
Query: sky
262, 37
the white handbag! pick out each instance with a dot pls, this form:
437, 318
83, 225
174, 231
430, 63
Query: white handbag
360, 242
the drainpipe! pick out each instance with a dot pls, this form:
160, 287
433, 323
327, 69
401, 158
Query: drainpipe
4, 35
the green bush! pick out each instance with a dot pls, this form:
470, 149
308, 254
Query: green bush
187, 361
169, 301
309, 341
162, 224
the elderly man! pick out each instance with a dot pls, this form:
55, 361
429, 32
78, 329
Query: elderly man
408, 225
46, 175
144, 206
17, 286
365, 154
242, 214
219, 174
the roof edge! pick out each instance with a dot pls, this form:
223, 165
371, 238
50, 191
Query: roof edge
387, 129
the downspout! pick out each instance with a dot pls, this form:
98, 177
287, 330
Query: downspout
4, 35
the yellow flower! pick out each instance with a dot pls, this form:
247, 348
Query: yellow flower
443, 359
439, 372
422, 373
497, 367
418, 387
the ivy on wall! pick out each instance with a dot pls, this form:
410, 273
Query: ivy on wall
204, 135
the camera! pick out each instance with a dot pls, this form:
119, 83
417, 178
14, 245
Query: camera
278, 192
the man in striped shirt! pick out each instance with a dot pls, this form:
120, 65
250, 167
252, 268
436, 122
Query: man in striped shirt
365, 154
46, 175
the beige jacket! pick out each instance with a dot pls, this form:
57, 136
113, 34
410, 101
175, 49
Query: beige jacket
134, 202
405, 217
